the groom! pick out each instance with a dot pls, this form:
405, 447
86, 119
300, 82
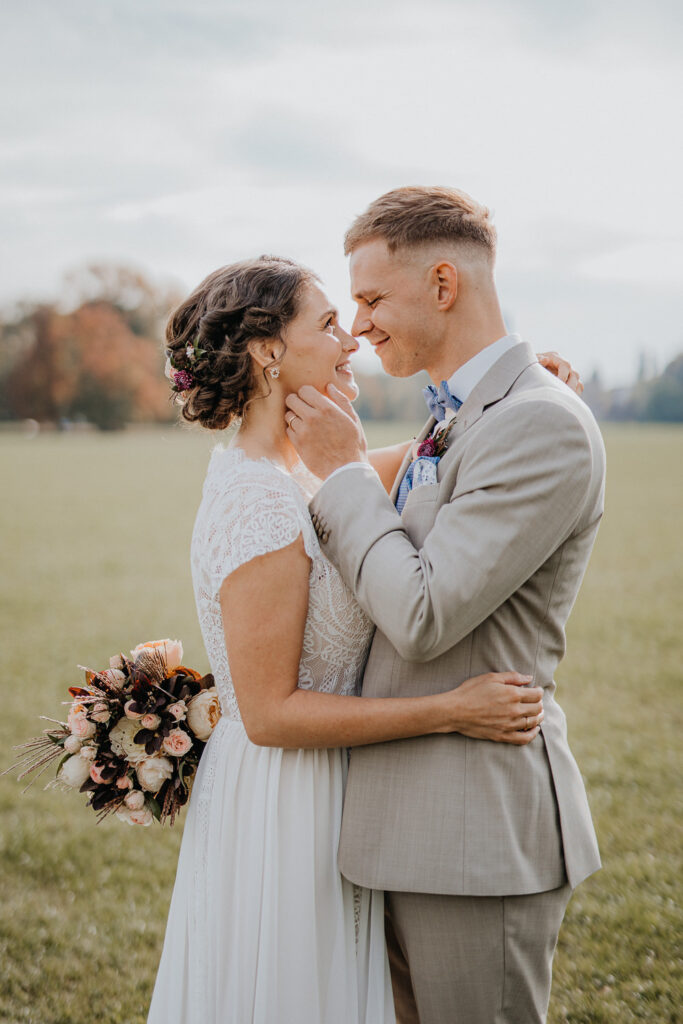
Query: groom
472, 565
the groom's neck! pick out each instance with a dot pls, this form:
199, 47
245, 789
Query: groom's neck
470, 329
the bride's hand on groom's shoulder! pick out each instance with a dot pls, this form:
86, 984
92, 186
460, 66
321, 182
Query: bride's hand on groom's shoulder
325, 431
498, 706
562, 369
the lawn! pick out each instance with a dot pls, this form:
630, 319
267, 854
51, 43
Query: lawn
95, 534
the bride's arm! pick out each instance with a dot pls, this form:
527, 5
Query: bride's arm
264, 605
387, 462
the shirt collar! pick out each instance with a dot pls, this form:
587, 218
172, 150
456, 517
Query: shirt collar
463, 382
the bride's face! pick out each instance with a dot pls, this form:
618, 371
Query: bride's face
318, 350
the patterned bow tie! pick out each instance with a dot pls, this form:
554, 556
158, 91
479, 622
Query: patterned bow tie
439, 399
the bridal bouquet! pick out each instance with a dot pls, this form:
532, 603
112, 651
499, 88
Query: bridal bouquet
133, 735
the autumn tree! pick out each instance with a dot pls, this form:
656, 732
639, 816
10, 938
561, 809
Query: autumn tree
101, 360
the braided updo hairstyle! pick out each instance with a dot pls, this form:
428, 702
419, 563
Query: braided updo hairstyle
244, 301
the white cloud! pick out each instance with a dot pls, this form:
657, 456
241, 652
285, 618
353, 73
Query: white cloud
180, 137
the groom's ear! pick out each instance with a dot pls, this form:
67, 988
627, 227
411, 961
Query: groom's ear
445, 283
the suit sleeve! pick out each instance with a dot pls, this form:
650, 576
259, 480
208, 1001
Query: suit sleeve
520, 491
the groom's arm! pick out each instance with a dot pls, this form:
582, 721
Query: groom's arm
521, 490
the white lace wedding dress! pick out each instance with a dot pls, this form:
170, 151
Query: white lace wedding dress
262, 928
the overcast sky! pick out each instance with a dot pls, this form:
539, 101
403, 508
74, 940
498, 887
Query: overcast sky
179, 136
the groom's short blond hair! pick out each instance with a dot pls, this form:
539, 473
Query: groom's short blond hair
417, 215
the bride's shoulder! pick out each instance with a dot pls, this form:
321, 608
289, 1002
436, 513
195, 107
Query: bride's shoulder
232, 471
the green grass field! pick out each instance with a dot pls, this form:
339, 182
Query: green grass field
95, 536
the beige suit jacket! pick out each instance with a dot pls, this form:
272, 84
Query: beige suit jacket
479, 574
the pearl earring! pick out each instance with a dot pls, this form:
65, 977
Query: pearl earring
275, 372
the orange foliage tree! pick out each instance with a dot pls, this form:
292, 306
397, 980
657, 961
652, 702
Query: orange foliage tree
102, 361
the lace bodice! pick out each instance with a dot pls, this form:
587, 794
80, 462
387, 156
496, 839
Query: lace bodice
250, 507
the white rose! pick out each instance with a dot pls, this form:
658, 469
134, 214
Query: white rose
74, 771
121, 738
153, 772
72, 744
135, 800
141, 817
203, 712
170, 650
89, 753
114, 676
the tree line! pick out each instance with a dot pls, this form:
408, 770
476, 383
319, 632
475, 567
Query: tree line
97, 357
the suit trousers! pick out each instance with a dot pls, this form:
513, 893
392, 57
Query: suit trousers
473, 959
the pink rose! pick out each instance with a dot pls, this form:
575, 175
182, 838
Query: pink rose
177, 743
79, 725
96, 773
88, 753
129, 712
100, 712
124, 783
178, 710
149, 721
135, 800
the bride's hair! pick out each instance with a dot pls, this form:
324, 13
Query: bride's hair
208, 335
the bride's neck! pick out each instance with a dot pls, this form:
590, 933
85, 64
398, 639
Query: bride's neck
262, 431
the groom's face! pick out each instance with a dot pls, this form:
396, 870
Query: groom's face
392, 295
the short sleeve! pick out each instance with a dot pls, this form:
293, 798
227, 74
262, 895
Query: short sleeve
258, 512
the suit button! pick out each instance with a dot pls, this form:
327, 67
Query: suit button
324, 536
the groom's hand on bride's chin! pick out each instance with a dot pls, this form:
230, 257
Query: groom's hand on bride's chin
325, 431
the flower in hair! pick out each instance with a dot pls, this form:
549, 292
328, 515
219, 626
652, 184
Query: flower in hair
182, 380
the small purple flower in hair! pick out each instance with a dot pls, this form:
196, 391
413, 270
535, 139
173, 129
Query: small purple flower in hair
183, 380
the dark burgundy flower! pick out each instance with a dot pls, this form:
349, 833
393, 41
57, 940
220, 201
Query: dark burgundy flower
183, 380
427, 447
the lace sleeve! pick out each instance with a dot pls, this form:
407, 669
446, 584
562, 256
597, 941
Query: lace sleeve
256, 514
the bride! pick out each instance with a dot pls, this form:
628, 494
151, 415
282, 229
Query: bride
262, 928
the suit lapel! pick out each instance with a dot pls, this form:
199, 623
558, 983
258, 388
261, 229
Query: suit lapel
408, 457
494, 385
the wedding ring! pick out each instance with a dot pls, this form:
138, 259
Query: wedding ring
526, 723
291, 420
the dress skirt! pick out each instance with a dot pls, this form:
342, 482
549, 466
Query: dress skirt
262, 928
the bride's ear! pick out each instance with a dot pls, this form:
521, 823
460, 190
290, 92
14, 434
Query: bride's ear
265, 351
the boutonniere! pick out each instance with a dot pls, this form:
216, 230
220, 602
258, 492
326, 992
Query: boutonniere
434, 446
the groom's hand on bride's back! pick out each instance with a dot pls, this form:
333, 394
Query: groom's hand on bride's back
326, 432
